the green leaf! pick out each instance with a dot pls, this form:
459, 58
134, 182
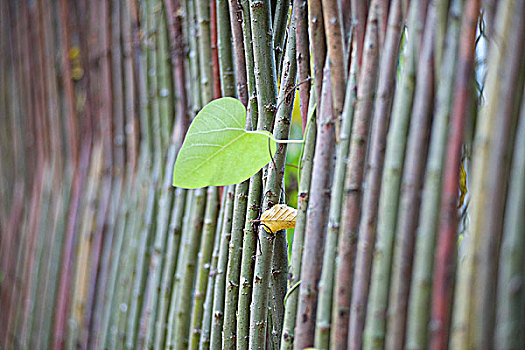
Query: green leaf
217, 151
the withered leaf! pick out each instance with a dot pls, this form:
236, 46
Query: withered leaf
279, 217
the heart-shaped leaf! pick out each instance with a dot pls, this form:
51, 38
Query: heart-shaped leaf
217, 151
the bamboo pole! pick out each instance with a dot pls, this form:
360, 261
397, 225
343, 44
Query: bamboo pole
300, 10
445, 254
188, 263
204, 341
316, 219
318, 43
355, 171
379, 128
509, 315
279, 25
388, 202
511, 80
305, 171
203, 265
413, 173
179, 268
264, 69
418, 306
254, 194
326, 283
279, 264
215, 339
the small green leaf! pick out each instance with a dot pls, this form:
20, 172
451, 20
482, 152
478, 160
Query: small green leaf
217, 151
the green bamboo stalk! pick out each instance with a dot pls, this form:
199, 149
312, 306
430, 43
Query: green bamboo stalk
170, 264
279, 265
165, 91
54, 260
388, 202
235, 250
241, 190
189, 260
224, 43
153, 178
463, 300
106, 278
204, 342
118, 248
203, 265
215, 339
418, 307
279, 25
264, 69
131, 227
41, 249
205, 62
326, 283
83, 247
254, 194
148, 314
120, 245
140, 272
152, 286
287, 340
128, 260
233, 266
193, 40
51, 245
179, 268
413, 173
258, 319
509, 316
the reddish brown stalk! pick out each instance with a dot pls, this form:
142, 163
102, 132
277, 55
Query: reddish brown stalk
383, 21
79, 178
359, 15
351, 210
214, 50
336, 56
39, 86
106, 117
238, 50
444, 265
303, 57
317, 218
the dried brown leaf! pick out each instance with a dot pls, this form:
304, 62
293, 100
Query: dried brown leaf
279, 217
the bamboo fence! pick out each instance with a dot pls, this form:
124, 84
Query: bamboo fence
410, 226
